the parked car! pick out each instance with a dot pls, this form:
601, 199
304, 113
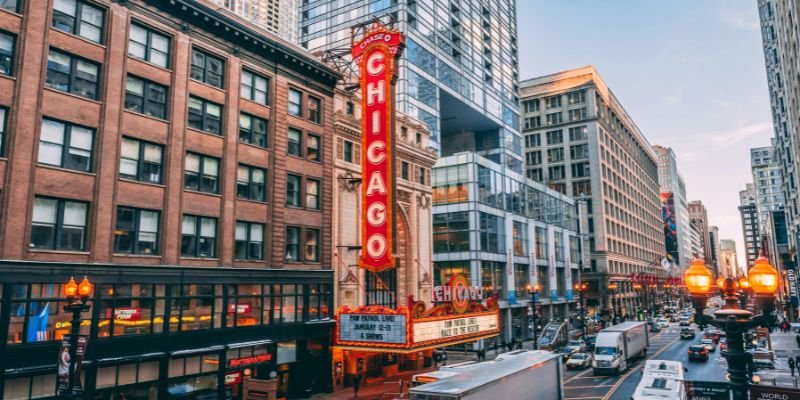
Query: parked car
687, 333
579, 361
698, 352
709, 344
578, 345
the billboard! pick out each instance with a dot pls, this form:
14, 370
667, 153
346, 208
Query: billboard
375, 54
668, 219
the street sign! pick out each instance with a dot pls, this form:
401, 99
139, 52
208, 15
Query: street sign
706, 390
758, 392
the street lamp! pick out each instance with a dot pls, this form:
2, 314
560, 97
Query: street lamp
612, 287
580, 288
74, 292
533, 291
763, 279
637, 287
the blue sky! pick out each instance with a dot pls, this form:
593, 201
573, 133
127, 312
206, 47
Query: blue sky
689, 72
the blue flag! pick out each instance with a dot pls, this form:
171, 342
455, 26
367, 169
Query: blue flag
37, 325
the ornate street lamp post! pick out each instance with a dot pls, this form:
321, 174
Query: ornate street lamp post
74, 292
612, 287
533, 291
763, 278
580, 288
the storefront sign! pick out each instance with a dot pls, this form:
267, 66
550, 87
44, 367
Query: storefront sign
375, 55
759, 392
372, 328
127, 314
551, 256
705, 390
457, 291
67, 385
234, 378
453, 328
247, 361
238, 308
791, 279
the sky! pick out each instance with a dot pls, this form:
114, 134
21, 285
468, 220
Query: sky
689, 72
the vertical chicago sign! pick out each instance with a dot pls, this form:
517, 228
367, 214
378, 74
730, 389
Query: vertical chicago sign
375, 54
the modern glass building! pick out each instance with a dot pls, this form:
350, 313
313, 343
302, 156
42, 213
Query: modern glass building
505, 232
458, 73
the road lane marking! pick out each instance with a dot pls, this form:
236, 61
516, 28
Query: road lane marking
629, 373
581, 398
587, 387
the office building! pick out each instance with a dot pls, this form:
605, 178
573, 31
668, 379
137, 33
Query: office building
750, 230
580, 141
780, 29
699, 217
458, 73
696, 239
279, 17
674, 208
728, 260
142, 151
767, 185
713, 239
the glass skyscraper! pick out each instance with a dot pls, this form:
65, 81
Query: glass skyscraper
458, 73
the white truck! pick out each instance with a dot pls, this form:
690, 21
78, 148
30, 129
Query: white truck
617, 345
514, 375
661, 380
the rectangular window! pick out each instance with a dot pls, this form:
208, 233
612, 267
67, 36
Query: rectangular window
199, 236
71, 74
532, 122
59, 224
555, 155
578, 114
195, 307
580, 170
146, 97
292, 244
578, 97
553, 119
295, 102
555, 137
146, 44
9, 5
313, 147
254, 87
578, 133
533, 158
348, 151
205, 115
535, 174
421, 175
253, 130
136, 231
249, 241
451, 232
579, 152
207, 68
251, 183
293, 190
556, 173
79, 18
534, 140
6, 53
66, 145
541, 244
201, 173
404, 170
314, 110
311, 253
312, 194
293, 147
140, 161
531, 105
552, 102
3, 123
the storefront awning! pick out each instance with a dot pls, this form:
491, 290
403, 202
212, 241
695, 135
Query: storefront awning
249, 344
369, 349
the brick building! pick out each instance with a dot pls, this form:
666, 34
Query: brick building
180, 159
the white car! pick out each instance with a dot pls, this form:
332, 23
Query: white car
663, 322
577, 345
579, 361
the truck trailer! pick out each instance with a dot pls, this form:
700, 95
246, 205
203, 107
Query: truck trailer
617, 345
516, 375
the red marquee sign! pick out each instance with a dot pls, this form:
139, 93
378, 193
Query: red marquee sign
375, 54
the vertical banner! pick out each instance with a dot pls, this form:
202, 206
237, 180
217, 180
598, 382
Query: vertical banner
66, 384
791, 280
567, 266
552, 281
510, 284
533, 269
375, 54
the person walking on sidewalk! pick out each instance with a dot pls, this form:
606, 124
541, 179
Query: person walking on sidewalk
791, 365
797, 364
797, 339
356, 384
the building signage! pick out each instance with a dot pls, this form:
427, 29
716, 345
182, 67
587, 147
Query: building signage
372, 328
234, 378
551, 256
70, 384
568, 263
247, 361
533, 269
791, 278
705, 390
126, 313
454, 328
510, 283
758, 392
375, 55
238, 308
457, 292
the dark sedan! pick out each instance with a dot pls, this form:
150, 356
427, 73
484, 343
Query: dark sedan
698, 352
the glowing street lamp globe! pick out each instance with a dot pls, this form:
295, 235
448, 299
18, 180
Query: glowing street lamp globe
698, 278
763, 277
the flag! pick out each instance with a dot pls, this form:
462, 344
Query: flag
37, 325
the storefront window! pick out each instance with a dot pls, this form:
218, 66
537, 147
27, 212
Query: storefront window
287, 304
195, 307
193, 377
319, 302
287, 352
37, 315
131, 309
245, 305
128, 381
30, 387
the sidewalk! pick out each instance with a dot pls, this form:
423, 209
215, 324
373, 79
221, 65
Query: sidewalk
784, 346
381, 389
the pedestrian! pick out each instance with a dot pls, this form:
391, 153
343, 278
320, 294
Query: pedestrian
791, 365
797, 363
356, 384
797, 339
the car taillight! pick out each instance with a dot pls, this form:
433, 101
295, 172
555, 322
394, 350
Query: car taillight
704, 351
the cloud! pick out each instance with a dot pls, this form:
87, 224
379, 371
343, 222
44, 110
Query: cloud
741, 22
743, 132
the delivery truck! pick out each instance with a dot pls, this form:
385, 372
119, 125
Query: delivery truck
617, 345
661, 380
514, 375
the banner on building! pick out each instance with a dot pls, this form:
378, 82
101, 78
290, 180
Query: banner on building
375, 54
668, 218
533, 269
70, 384
552, 280
510, 282
567, 265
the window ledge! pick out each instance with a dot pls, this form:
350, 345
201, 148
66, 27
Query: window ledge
56, 251
222, 89
98, 102
205, 193
145, 115
159, 185
57, 168
242, 142
255, 102
143, 61
221, 135
136, 255
193, 258
79, 37
9, 77
262, 202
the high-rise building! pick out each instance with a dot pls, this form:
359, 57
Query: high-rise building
279, 17
580, 141
458, 73
748, 195
698, 215
750, 231
148, 155
713, 239
728, 261
674, 208
767, 185
696, 239
780, 28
